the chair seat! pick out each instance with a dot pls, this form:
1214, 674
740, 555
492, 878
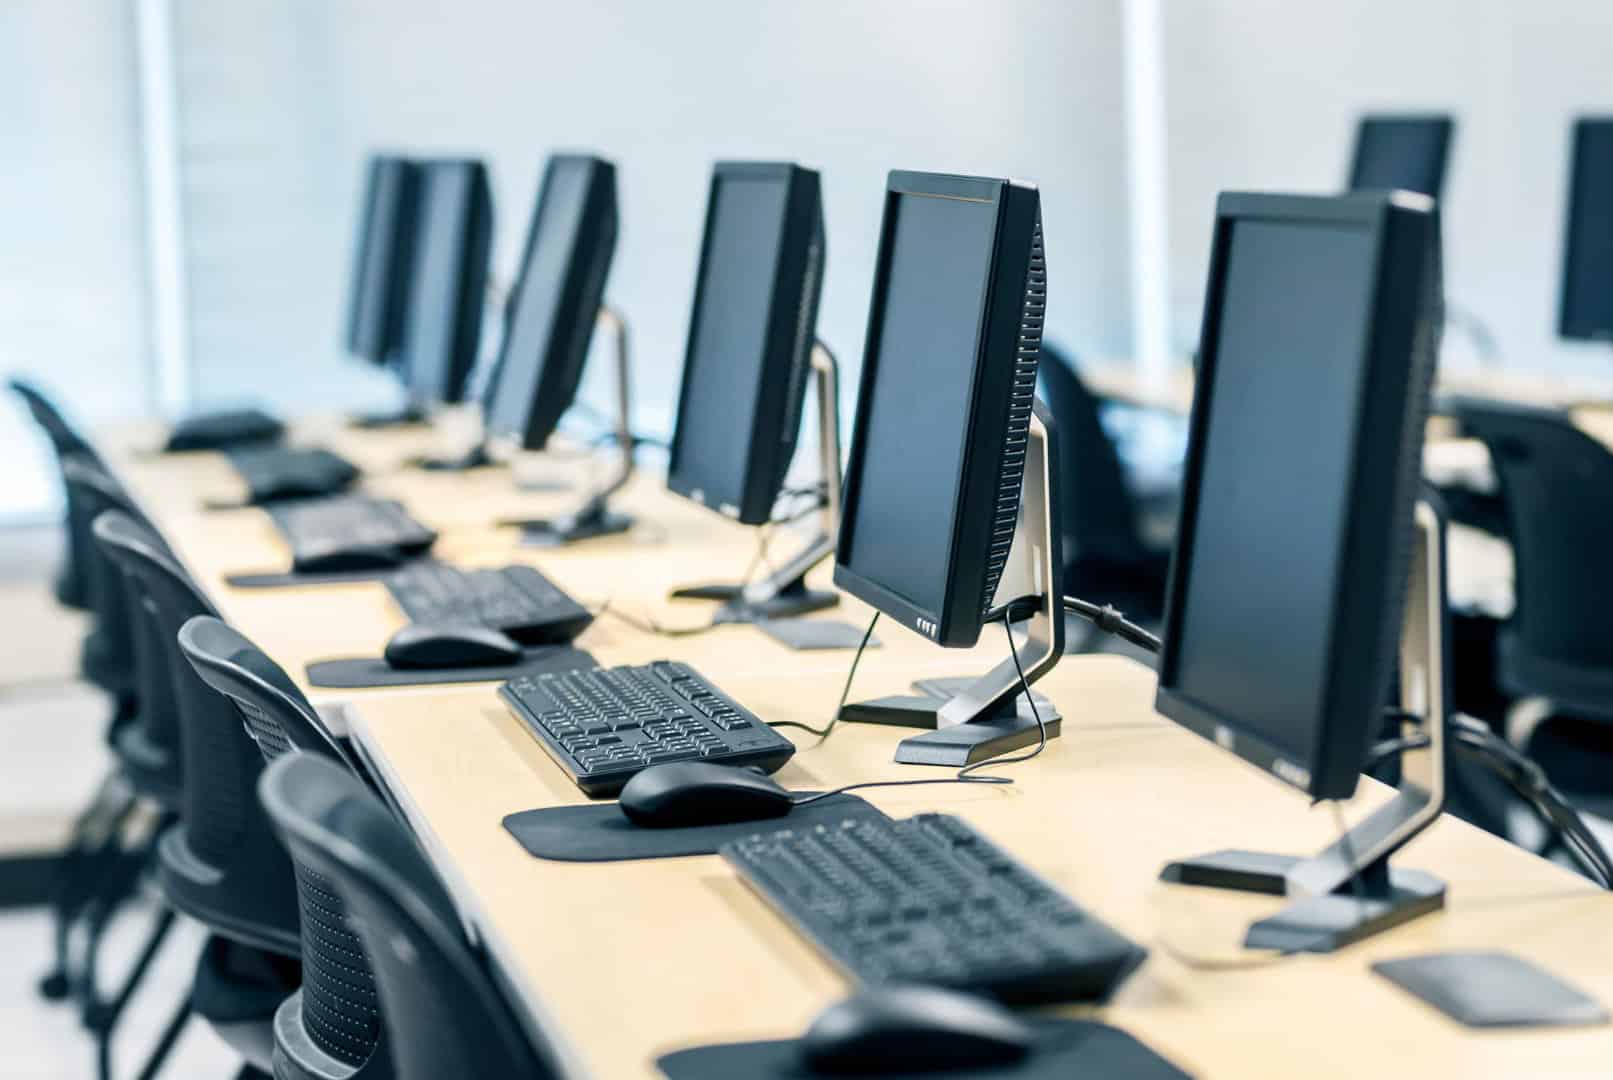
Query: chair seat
261, 913
238, 990
1586, 689
152, 770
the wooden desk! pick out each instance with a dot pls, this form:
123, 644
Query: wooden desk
621, 962
624, 961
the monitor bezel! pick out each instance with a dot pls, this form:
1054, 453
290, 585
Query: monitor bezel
786, 349
1394, 401
1568, 327
1443, 124
957, 622
582, 292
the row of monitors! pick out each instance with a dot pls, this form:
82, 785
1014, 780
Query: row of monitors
1319, 337
420, 270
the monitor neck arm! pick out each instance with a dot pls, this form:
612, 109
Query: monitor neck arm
1365, 849
826, 377
594, 518
1031, 577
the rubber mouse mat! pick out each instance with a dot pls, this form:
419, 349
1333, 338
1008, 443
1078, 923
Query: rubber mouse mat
1066, 1049
599, 832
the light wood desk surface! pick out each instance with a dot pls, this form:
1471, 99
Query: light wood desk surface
620, 962
625, 961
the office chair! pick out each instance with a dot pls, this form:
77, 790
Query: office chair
1106, 560
331, 1028
72, 587
444, 1016
220, 864
1555, 653
97, 873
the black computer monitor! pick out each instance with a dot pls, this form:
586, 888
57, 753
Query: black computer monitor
944, 408
552, 310
1587, 288
1401, 152
381, 259
448, 284
750, 338
1319, 337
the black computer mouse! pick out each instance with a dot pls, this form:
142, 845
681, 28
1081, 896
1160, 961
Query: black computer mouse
421, 645
683, 793
913, 1029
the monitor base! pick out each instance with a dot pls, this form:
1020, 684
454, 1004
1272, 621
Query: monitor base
408, 416
1377, 899
570, 530
953, 685
474, 458
960, 744
791, 601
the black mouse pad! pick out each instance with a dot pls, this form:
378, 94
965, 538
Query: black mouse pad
358, 672
1492, 989
1065, 1049
600, 833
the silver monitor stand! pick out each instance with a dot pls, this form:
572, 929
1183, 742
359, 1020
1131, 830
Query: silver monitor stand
990, 715
1348, 891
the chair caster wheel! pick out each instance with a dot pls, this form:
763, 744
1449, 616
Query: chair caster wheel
54, 987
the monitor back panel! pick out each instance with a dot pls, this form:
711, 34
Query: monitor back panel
751, 333
556, 301
1405, 153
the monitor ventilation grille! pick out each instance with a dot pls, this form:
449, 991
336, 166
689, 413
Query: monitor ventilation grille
1021, 400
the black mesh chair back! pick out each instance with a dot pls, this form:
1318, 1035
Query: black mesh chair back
72, 585
333, 1027
1105, 557
444, 1015
1557, 484
221, 864
109, 650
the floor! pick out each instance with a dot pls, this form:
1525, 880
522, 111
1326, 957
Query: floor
41, 1040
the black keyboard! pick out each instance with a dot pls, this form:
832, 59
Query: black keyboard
516, 599
279, 472
929, 900
349, 532
603, 726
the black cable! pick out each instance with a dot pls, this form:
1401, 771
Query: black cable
964, 775
845, 691
650, 626
1475, 741
1111, 621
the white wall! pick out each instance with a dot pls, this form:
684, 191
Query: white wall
1263, 94
72, 275
282, 99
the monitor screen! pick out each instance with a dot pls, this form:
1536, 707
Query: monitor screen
531, 329
924, 350
1405, 153
450, 265
1272, 506
381, 261
1587, 289
728, 337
